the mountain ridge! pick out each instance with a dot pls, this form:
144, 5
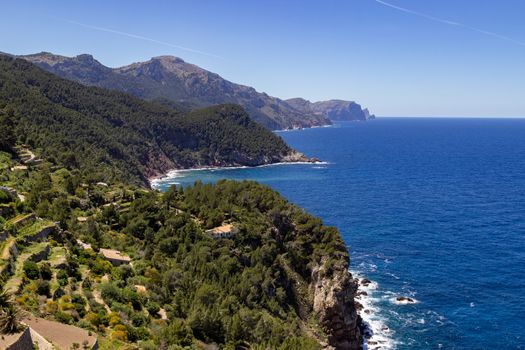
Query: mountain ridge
126, 137
170, 79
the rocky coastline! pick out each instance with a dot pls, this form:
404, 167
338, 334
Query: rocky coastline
294, 157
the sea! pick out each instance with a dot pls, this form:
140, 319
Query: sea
430, 208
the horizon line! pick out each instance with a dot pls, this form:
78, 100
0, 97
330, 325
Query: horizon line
451, 116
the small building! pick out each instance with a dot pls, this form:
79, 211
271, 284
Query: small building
54, 335
115, 257
223, 231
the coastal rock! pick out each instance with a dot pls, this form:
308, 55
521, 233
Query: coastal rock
401, 300
298, 157
365, 282
334, 307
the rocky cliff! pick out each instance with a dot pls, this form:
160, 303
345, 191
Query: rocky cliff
335, 110
333, 305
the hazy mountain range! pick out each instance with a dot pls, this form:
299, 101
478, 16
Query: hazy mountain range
174, 82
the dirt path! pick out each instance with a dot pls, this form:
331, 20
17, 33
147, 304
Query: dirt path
13, 284
98, 299
6, 254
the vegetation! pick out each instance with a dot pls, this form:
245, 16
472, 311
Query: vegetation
9, 313
110, 136
185, 288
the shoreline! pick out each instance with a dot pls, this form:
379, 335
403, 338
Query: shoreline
304, 128
376, 335
154, 180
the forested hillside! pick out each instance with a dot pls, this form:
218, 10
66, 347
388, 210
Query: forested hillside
109, 135
229, 266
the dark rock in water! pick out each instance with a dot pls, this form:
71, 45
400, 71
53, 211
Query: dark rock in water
405, 300
365, 282
363, 293
358, 306
366, 330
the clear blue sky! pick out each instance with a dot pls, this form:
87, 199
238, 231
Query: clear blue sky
425, 57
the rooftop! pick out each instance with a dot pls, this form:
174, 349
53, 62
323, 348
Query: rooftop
221, 230
114, 254
63, 336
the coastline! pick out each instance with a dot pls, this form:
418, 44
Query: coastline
154, 180
304, 128
376, 335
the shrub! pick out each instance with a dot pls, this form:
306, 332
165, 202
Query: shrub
31, 270
45, 271
63, 317
62, 277
42, 287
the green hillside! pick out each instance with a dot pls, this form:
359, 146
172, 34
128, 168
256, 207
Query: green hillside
109, 135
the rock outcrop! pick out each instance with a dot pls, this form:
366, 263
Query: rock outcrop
335, 110
334, 308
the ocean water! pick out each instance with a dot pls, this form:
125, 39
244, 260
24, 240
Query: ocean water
430, 208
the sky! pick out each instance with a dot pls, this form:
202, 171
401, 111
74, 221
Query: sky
396, 57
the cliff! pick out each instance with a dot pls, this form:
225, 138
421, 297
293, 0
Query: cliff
335, 110
333, 303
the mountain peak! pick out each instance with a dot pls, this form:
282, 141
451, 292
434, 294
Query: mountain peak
85, 57
168, 59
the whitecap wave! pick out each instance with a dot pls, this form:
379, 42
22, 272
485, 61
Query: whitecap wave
375, 331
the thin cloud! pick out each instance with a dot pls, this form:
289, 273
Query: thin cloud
456, 24
144, 38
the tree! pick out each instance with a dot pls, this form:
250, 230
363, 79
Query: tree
31, 270
45, 271
9, 313
7, 134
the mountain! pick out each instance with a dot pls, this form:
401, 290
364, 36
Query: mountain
111, 135
170, 79
336, 110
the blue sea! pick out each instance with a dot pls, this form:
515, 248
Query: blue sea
430, 208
